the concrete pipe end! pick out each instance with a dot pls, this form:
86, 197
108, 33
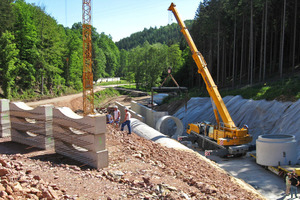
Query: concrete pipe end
179, 125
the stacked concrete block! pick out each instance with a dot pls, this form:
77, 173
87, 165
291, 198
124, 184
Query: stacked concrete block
32, 126
151, 116
4, 118
80, 138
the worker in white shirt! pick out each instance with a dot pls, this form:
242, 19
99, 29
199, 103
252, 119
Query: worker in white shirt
126, 121
117, 116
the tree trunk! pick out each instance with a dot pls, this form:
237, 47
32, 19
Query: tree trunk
261, 48
210, 59
223, 64
254, 56
251, 45
294, 39
275, 52
218, 54
233, 56
282, 40
265, 42
271, 53
242, 52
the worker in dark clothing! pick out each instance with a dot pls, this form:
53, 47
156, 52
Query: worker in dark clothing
294, 184
109, 119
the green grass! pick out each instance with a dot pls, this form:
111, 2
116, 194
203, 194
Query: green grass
113, 83
131, 86
284, 90
104, 94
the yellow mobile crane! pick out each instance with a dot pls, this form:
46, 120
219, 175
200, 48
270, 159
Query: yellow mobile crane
225, 136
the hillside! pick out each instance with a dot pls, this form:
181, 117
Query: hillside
169, 34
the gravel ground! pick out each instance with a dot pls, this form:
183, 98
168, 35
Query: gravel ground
138, 169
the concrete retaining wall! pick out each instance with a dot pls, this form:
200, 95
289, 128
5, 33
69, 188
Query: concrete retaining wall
133, 113
80, 138
46, 127
151, 116
4, 118
31, 126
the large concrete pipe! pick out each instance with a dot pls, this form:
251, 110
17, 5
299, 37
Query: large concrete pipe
145, 131
164, 119
274, 150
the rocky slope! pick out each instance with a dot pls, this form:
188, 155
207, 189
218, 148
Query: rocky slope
138, 169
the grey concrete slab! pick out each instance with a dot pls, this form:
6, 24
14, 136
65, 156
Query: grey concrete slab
264, 181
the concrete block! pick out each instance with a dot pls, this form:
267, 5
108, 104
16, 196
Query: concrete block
91, 142
5, 128
97, 159
80, 138
65, 117
32, 126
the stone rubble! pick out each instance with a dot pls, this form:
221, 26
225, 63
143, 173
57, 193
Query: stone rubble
138, 169
17, 182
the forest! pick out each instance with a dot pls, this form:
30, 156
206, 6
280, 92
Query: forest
248, 41
40, 57
244, 42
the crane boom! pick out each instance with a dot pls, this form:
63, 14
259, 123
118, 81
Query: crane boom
203, 70
228, 134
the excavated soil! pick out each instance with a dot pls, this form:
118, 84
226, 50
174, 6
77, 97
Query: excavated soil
138, 169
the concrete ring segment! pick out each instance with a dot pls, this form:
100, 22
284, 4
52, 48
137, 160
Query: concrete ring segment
178, 122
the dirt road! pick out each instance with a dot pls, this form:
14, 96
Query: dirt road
75, 102
61, 101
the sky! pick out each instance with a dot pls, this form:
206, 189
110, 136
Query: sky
119, 18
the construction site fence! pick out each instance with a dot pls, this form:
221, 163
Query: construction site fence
47, 127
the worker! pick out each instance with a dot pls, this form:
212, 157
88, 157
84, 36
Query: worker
294, 184
126, 121
109, 119
288, 184
117, 116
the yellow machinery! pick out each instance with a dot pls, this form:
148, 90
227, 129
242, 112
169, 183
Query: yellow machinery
225, 133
